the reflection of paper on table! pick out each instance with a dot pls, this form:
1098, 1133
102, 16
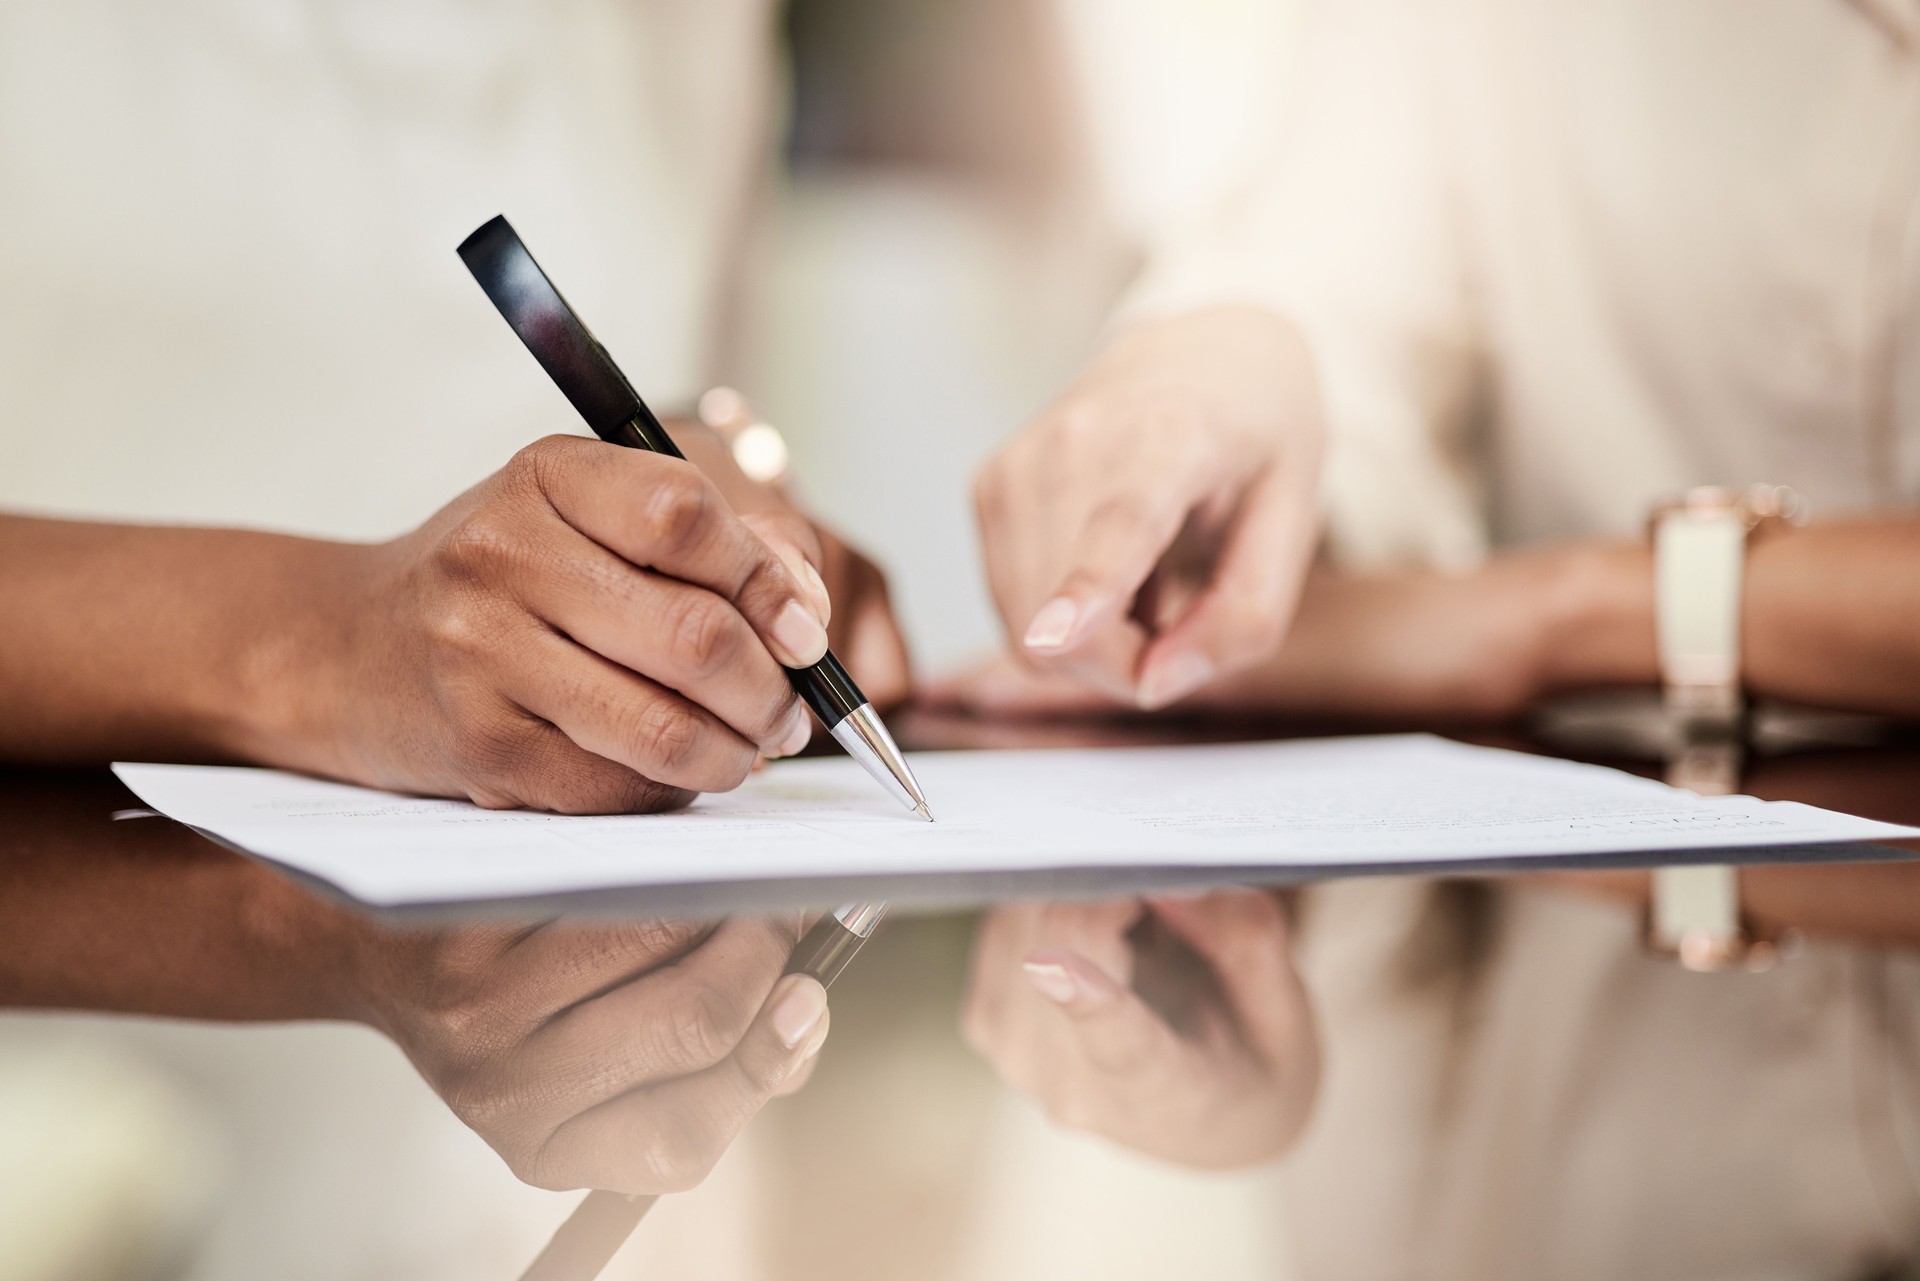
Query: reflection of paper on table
1342, 802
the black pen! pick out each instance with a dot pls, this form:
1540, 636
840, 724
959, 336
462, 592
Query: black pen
602, 1222
575, 360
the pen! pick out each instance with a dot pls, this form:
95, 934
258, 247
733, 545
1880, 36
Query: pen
575, 360
602, 1222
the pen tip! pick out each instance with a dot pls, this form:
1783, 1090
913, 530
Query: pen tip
922, 810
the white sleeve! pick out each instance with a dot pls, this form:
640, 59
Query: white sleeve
1349, 230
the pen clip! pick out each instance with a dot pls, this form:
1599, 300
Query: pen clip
559, 339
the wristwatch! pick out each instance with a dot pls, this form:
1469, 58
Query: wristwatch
1700, 543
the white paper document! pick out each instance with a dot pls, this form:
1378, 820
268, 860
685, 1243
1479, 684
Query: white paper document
1320, 803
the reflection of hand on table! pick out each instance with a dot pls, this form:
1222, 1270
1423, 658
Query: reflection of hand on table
1877, 904
620, 1056
1176, 1027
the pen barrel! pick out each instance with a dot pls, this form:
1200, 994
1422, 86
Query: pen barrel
825, 950
643, 431
827, 689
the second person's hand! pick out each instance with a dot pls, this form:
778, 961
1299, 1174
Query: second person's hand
1150, 530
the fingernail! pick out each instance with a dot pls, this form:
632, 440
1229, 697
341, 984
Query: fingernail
798, 632
1052, 981
798, 737
1174, 679
818, 587
799, 1010
814, 1042
1052, 625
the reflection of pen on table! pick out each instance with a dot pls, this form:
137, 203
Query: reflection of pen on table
581, 367
602, 1223
572, 357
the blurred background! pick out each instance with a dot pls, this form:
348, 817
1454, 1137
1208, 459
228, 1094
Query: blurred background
960, 190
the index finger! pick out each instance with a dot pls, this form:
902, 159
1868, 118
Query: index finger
662, 514
1117, 548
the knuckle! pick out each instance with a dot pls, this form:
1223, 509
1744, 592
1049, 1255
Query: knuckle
701, 1026
675, 1155
480, 545
1080, 422
1120, 513
644, 796
540, 467
773, 714
456, 626
496, 751
707, 634
480, 1106
549, 452
677, 508
540, 1167
790, 528
658, 939
666, 736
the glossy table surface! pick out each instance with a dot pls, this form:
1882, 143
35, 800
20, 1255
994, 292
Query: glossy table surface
60, 826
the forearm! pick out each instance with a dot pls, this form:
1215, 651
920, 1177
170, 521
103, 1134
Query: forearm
160, 643
1830, 617
145, 917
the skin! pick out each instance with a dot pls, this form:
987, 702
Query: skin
1175, 1026
1831, 618
1151, 528
622, 1056
592, 629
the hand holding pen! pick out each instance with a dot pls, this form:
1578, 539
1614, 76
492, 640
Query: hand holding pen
584, 371
576, 361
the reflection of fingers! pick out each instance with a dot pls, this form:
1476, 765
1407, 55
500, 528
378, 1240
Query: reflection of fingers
999, 941
1242, 935
797, 1079
1114, 1030
666, 1137
565, 962
671, 1021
